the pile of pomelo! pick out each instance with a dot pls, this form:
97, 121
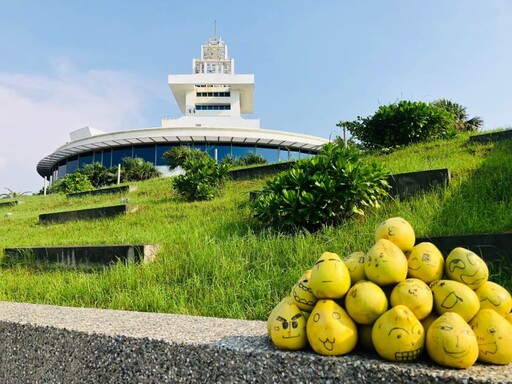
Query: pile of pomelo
399, 300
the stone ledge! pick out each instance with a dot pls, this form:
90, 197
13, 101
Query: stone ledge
10, 203
104, 191
86, 214
49, 344
492, 136
492, 247
404, 184
83, 255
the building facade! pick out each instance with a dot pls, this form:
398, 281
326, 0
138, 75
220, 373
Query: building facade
212, 101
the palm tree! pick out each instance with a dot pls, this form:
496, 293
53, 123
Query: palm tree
462, 122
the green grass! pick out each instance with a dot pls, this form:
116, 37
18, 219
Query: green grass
215, 261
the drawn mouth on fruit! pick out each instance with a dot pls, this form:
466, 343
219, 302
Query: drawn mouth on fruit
291, 337
328, 344
305, 288
299, 299
488, 348
408, 355
456, 355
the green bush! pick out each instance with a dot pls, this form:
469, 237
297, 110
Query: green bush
324, 190
462, 121
99, 175
401, 123
137, 169
250, 159
202, 179
177, 156
72, 182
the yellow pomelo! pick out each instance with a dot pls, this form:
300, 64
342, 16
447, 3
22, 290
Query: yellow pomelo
452, 296
288, 326
415, 295
494, 336
466, 267
330, 330
425, 262
494, 296
355, 263
364, 334
397, 230
272, 315
398, 335
386, 263
427, 321
509, 317
302, 294
451, 342
330, 278
365, 302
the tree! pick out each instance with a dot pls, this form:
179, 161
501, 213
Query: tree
136, 169
401, 123
99, 175
462, 121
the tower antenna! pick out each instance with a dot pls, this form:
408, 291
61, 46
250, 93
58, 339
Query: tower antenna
214, 27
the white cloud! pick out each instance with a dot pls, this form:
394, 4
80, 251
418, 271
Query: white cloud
37, 113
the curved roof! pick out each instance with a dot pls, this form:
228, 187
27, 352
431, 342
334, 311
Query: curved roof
180, 135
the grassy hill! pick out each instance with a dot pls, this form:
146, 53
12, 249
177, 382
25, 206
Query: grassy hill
215, 261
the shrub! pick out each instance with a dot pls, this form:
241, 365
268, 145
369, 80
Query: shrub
99, 175
250, 159
324, 190
401, 123
137, 169
202, 179
72, 182
177, 156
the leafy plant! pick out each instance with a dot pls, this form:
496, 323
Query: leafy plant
250, 159
202, 179
177, 156
99, 175
72, 182
324, 190
11, 194
401, 123
136, 169
462, 121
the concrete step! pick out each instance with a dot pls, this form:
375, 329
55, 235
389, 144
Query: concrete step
105, 191
83, 255
86, 214
405, 184
494, 247
492, 136
10, 203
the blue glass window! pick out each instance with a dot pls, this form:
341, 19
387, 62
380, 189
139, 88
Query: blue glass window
107, 157
146, 152
98, 157
160, 150
72, 164
270, 154
241, 151
84, 159
223, 150
118, 154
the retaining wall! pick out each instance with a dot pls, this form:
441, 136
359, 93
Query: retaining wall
49, 344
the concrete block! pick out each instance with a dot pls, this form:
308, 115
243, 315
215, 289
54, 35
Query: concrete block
10, 203
50, 344
105, 191
83, 255
404, 184
492, 136
86, 214
261, 170
491, 247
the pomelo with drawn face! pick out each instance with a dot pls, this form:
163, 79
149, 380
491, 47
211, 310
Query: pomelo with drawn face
399, 231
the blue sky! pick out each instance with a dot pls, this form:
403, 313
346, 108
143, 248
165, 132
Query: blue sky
69, 64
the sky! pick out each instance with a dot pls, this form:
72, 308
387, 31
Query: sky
67, 64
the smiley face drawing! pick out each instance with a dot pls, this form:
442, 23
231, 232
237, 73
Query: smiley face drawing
425, 262
398, 335
330, 278
494, 336
466, 267
302, 294
288, 326
494, 296
451, 342
330, 330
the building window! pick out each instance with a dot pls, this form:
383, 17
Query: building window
118, 154
213, 107
145, 152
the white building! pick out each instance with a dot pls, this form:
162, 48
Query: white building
212, 100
